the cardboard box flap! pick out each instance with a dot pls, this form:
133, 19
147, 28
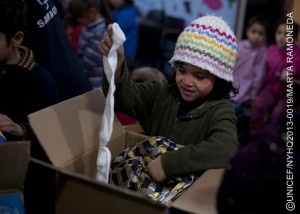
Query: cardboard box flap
97, 197
14, 159
70, 128
81, 194
201, 197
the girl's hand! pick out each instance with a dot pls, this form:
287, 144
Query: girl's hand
105, 46
156, 170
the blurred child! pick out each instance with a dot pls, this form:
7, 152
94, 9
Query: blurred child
124, 13
92, 14
26, 87
146, 73
140, 75
193, 110
271, 101
249, 70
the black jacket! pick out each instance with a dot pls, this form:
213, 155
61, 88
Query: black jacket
49, 42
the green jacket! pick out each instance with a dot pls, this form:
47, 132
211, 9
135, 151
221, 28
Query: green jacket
208, 132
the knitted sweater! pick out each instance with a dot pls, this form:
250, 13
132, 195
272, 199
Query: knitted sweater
208, 132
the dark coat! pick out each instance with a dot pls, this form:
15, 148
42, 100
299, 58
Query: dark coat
49, 42
23, 92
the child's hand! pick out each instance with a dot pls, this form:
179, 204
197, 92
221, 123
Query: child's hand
156, 170
9, 126
105, 46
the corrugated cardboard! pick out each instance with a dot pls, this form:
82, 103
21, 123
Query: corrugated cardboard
14, 159
69, 133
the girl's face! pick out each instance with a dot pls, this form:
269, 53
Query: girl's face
280, 36
256, 34
193, 83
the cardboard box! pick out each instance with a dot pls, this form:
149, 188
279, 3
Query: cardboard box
14, 159
69, 133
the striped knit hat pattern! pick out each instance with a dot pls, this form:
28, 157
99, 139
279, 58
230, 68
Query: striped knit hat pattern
208, 43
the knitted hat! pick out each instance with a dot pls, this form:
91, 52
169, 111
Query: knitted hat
208, 43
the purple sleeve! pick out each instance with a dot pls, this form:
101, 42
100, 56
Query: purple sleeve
260, 71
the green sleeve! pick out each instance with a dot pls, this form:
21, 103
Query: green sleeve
213, 152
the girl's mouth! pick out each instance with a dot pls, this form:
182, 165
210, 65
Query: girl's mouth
186, 91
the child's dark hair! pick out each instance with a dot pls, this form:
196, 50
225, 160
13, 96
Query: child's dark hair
222, 89
284, 21
259, 19
79, 8
13, 17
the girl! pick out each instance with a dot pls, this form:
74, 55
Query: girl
272, 98
192, 110
94, 16
249, 70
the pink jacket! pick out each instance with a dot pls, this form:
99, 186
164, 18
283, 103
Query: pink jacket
276, 63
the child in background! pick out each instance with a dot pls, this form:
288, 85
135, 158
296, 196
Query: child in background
93, 15
272, 99
26, 87
193, 110
249, 70
124, 13
140, 75
146, 73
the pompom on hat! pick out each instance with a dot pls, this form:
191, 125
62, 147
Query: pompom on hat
208, 43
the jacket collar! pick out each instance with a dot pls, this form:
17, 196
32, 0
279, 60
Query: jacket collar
27, 58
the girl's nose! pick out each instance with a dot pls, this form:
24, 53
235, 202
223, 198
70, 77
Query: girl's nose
188, 80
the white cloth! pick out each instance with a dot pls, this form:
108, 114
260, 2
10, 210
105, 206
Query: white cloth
110, 65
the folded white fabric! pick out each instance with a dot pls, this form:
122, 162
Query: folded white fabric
110, 65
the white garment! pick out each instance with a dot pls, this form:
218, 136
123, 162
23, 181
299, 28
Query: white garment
110, 65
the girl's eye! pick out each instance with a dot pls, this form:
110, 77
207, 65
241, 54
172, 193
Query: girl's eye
181, 70
200, 77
